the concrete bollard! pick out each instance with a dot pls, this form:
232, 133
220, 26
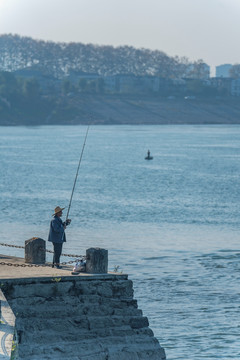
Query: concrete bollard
35, 251
97, 261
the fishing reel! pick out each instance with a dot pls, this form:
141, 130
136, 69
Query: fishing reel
67, 222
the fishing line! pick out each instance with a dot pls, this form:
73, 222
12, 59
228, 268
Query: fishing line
74, 184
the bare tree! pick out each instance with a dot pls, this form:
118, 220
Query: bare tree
234, 72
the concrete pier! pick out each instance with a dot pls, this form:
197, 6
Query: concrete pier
86, 316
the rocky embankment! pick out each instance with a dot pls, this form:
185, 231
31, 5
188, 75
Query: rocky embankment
150, 110
87, 317
123, 109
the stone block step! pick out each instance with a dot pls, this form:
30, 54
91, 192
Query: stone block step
107, 348
45, 308
79, 327
57, 287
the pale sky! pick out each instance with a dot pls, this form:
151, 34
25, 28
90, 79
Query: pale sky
197, 29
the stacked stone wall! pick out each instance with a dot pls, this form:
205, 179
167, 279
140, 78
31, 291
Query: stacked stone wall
84, 317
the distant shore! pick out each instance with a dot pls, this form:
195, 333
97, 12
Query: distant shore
132, 110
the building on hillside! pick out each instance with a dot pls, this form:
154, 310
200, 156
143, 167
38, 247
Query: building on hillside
129, 83
75, 76
223, 85
126, 83
46, 82
222, 71
110, 83
150, 83
178, 86
207, 70
235, 87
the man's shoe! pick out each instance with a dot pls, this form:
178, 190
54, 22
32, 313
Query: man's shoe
59, 267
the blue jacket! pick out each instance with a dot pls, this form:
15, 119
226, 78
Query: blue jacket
56, 232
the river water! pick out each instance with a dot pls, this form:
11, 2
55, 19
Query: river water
171, 223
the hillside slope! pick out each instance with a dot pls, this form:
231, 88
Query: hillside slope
106, 109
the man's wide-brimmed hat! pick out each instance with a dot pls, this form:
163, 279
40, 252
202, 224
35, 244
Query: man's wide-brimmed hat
57, 210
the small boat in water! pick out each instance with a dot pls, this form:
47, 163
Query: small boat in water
148, 157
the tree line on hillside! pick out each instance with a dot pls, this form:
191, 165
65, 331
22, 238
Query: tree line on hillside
20, 98
58, 59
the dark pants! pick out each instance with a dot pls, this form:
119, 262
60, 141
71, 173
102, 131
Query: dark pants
57, 247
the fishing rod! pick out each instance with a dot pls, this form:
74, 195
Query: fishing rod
74, 184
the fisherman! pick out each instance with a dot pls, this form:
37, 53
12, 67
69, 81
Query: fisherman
57, 235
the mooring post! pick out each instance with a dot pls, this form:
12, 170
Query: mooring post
35, 251
97, 261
